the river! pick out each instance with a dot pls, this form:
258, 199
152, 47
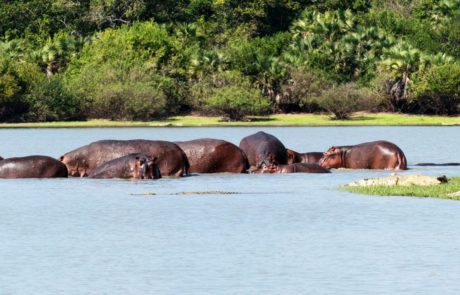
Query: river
274, 234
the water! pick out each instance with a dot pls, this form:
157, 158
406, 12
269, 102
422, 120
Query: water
281, 234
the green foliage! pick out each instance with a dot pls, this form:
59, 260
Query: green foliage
302, 89
232, 95
49, 100
16, 79
140, 59
438, 90
236, 102
119, 74
334, 42
345, 99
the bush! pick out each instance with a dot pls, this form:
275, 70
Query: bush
49, 100
236, 102
301, 91
345, 99
231, 94
438, 90
16, 79
123, 74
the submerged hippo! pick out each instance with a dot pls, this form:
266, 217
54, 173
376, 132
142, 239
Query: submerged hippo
32, 167
208, 155
438, 164
137, 166
172, 160
311, 157
292, 168
369, 155
263, 148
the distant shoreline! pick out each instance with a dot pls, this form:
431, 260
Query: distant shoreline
278, 120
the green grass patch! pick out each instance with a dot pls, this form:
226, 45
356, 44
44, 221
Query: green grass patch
433, 191
360, 119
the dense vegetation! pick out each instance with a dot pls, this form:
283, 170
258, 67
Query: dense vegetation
145, 59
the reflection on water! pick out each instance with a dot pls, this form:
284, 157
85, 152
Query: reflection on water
280, 234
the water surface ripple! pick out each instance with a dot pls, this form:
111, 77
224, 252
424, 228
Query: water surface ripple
281, 234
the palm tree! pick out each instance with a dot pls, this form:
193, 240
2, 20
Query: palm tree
402, 60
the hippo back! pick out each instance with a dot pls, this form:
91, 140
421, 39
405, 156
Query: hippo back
32, 167
376, 155
172, 160
369, 155
208, 155
262, 147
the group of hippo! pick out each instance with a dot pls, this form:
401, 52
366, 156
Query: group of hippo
148, 159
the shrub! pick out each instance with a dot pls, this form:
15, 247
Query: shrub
301, 90
49, 100
123, 74
231, 94
16, 79
438, 90
345, 99
236, 102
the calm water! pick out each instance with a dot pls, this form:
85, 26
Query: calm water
282, 234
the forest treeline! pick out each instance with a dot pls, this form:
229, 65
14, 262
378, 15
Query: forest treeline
147, 59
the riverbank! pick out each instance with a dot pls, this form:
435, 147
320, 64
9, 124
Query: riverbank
359, 119
441, 191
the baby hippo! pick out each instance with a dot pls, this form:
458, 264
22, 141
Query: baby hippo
137, 166
32, 167
292, 168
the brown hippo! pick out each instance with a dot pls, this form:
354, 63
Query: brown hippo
172, 160
137, 166
32, 167
312, 157
369, 155
263, 148
208, 155
292, 168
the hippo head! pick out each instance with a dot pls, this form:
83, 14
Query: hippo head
139, 167
153, 171
265, 168
74, 167
332, 158
266, 159
145, 168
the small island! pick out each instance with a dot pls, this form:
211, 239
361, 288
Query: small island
410, 185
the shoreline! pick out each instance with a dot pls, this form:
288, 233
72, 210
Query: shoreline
277, 120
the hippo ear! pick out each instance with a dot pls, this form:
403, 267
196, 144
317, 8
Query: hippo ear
61, 158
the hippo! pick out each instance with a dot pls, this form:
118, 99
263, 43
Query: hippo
208, 155
292, 168
172, 160
263, 148
311, 157
1, 158
369, 155
137, 166
32, 167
